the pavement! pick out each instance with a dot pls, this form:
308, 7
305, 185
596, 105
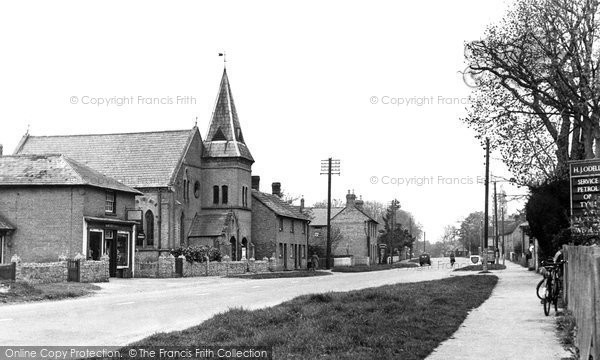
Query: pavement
509, 325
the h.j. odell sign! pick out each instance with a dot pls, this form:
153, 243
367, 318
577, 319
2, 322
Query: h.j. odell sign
585, 196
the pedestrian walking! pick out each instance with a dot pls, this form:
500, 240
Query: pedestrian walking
314, 259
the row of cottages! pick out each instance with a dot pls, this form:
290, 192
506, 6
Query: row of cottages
357, 234
280, 229
516, 238
160, 190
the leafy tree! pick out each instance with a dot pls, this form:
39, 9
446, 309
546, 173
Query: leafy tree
319, 245
335, 203
538, 98
471, 230
399, 236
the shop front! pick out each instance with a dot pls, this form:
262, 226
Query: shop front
113, 238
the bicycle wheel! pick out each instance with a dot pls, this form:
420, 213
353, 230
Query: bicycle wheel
547, 302
539, 290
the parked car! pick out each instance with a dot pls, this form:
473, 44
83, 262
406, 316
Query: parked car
424, 259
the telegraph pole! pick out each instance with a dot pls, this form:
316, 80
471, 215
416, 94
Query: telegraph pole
394, 206
329, 167
424, 238
411, 243
496, 248
503, 254
487, 196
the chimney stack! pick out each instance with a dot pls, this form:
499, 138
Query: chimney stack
256, 182
359, 203
1, 149
302, 204
276, 187
350, 199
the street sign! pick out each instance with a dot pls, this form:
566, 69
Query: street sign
585, 194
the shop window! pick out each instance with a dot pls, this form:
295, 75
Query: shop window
122, 250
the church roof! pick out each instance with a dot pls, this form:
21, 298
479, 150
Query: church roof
278, 206
140, 160
224, 137
53, 170
210, 224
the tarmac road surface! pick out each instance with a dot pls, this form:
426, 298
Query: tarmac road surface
126, 310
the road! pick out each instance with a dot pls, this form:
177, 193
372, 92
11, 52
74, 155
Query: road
126, 310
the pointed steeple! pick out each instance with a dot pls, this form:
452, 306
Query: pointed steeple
224, 137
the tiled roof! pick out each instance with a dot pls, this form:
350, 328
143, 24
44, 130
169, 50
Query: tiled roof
49, 170
5, 225
210, 224
319, 216
224, 137
278, 206
138, 160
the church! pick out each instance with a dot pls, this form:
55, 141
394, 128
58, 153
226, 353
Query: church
192, 191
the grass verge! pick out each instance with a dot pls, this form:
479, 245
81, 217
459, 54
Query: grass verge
281, 274
401, 321
480, 267
23, 292
566, 328
375, 267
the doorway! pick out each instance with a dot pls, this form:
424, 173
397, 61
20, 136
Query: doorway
285, 256
95, 245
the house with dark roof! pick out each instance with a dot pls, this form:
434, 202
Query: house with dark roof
357, 235
191, 189
279, 229
52, 205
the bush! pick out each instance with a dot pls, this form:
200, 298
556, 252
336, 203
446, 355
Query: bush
198, 253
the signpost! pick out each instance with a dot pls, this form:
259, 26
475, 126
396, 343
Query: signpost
585, 193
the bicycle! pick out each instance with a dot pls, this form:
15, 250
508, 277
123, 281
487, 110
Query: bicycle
548, 289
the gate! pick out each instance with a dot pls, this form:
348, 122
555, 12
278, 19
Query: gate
8, 272
73, 270
179, 266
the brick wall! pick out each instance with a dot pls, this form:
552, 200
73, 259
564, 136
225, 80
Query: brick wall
49, 221
350, 221
264, 230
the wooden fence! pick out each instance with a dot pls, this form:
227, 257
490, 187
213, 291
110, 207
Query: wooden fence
582, 294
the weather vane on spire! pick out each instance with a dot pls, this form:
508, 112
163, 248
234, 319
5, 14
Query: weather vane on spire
224, 55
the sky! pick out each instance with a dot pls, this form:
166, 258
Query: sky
375, 84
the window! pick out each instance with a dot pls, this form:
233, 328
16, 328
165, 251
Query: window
149, 228
215, 194
280, 224
182, 230
197, 189
225, 195
280, 250
292, 227
244, 196
110, 206
122, 249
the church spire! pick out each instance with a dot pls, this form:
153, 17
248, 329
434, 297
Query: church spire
224, 137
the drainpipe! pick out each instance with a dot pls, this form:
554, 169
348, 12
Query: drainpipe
159, 221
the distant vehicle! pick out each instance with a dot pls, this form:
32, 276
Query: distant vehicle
424, 259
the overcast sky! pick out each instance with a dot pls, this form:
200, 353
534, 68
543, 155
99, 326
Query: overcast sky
375, 84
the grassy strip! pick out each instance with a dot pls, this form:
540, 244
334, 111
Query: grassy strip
566, 327
23, 292
480, 267
376, 267
401, 321
282, 274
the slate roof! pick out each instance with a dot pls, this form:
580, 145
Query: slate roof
141, 160
224, 137
319, 216
5, 225
52, 170
210, 224
278, 206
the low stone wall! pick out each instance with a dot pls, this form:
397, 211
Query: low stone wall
165, 267
342, 261
360, 260
94, 271
42, 273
